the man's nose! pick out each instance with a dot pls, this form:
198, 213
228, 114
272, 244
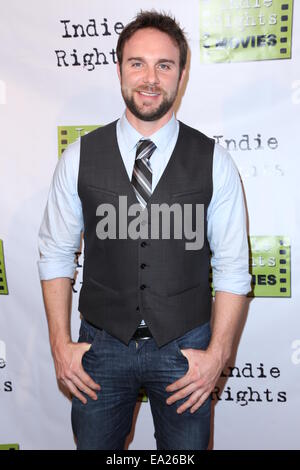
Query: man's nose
151, 76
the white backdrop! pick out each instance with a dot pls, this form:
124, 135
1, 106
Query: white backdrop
254, 100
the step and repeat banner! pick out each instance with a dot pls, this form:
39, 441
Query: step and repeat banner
58, 81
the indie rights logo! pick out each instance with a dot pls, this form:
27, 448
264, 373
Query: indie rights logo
184, 218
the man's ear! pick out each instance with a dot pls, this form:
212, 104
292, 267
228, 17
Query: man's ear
182, 78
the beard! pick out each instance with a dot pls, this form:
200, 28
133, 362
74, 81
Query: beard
152, 114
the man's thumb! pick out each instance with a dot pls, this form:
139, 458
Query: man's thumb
86, 346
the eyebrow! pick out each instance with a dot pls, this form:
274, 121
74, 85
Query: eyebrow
158, 62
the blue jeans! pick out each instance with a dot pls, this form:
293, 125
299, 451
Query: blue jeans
121, 371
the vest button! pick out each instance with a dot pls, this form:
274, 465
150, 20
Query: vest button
143, 265
142, 287
143, 244
137, 308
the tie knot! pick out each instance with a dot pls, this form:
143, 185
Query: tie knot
144, 149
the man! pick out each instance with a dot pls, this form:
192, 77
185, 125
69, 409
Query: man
145, 301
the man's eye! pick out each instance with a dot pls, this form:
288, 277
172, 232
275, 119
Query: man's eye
136, 65
164, 66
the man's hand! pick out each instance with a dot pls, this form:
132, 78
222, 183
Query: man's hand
199, 381
205, 367
69, 370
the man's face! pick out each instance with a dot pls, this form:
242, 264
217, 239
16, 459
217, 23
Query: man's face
149, 74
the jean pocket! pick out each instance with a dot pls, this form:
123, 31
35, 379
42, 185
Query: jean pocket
178, 349
89, 334
198, 338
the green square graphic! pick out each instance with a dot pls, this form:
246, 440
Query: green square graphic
9, 447
270, 266
3, 282
69, 134
245, 30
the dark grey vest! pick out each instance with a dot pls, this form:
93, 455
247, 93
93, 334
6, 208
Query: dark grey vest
158, 280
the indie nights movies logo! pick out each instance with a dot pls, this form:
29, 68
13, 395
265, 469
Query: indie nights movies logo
270, 266
245, 30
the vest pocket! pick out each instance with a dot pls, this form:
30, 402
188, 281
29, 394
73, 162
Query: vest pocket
103, 287
184, 291
186, 193
102, 190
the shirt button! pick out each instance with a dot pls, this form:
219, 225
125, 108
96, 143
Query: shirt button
142, 287
143, 265
143, 244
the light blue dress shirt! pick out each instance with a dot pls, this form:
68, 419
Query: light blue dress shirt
62, 224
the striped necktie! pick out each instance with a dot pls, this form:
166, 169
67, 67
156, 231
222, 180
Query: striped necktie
142, 173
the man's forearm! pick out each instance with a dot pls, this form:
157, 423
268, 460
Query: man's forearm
57, 294
66, 354
228, 315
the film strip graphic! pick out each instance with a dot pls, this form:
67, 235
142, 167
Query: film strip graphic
285, 26
69, 134
284, 267
270, 266
3, 282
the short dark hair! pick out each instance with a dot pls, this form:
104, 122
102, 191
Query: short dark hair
160, 21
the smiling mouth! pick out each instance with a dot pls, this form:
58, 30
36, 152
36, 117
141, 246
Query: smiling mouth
148, 93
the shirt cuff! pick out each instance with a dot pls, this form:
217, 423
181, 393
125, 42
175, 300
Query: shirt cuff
52, 270
240, 285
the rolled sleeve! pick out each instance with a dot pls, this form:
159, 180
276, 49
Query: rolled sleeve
62, 224
227, 228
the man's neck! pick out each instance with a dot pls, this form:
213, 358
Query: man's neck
147, 128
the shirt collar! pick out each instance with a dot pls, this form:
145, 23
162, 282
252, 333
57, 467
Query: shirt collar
161, 138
